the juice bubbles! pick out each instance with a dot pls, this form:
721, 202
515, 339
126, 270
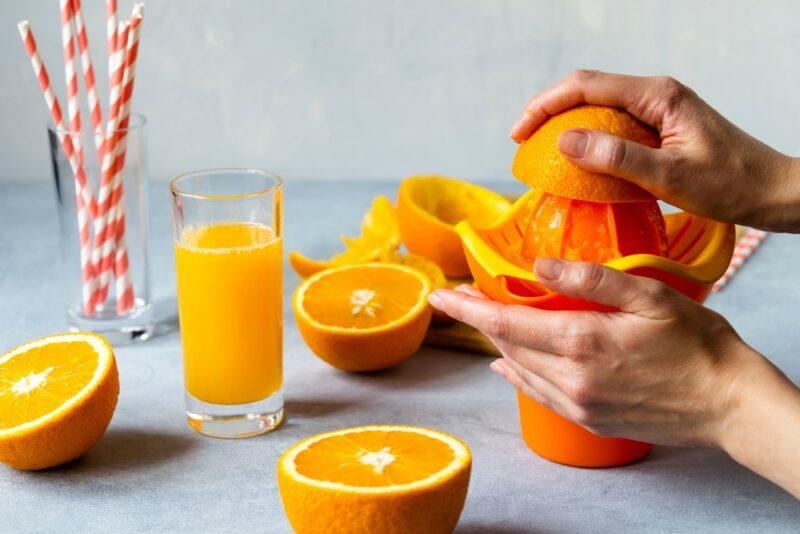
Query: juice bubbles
230, 304
560, 227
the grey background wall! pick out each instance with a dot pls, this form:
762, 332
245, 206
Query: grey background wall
376, 90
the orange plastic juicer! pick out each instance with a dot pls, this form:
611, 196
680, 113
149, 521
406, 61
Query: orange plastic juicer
630, 234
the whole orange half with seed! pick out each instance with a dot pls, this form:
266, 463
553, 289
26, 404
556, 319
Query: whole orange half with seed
375, 480
428, 208
540, 164
57, 396
364, 317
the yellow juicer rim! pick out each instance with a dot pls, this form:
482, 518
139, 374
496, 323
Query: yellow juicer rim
705, 268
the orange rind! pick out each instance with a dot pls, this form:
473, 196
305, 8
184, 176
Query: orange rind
363, 317
428, 208
379, 235
540, 164
387, 479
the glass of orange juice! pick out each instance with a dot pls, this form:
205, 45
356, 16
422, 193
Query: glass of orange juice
228, 252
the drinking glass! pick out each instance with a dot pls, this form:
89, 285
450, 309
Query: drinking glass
227, 229
124, 313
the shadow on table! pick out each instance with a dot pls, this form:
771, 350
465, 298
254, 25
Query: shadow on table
124, 449
165, 315
314, 408
431, 366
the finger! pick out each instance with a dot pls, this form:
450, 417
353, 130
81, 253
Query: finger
607, 286
587, 87
472, 291
604, 153
552, 367
534, 386
521, 325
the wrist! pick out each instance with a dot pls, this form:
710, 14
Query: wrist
782, 206
757, 391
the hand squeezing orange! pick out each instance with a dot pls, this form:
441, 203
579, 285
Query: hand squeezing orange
584, 216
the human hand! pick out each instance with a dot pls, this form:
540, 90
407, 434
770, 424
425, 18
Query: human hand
662, 369
706, 165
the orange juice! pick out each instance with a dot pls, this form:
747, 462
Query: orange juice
230, 304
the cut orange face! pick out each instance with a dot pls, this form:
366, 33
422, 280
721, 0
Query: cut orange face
371, 479
379, 234
428, 208
57, 396
363, 317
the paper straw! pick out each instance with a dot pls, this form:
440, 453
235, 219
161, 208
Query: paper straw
111, 33
82, 204
749, 242
73, 96
123, 284
103, 247
95, 111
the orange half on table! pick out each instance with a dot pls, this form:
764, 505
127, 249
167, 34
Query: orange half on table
364, 317
57, 396
429, 207
379, 235
383, 479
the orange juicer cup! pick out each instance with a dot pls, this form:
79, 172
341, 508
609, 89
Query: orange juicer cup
697, 252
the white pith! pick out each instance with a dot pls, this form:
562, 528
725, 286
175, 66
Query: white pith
461, 456
363, 300
379, 460
26, 384
103, 364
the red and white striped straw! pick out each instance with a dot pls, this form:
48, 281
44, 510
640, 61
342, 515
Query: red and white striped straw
88, 77
82, 205
71, 76
111, 33
749, 242
123, 283
103, 247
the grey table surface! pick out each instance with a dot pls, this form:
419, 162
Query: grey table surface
152, 473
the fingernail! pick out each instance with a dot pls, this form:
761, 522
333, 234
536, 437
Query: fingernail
435, 300
515, 127
573, 143
464, 288
496, 367
549, 268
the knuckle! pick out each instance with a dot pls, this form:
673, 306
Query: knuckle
616, 154
583, 394
579, 342
497, 324
582, 75
588, 276
673, 92
659, 294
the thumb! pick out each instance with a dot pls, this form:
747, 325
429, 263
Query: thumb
601, 152
606, 286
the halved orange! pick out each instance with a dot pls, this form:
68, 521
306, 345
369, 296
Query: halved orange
363, 317
379, 233
375, 479
57, 396
428, 207
540, 164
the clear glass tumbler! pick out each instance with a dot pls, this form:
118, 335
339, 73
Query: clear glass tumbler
124, 312
227, 228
